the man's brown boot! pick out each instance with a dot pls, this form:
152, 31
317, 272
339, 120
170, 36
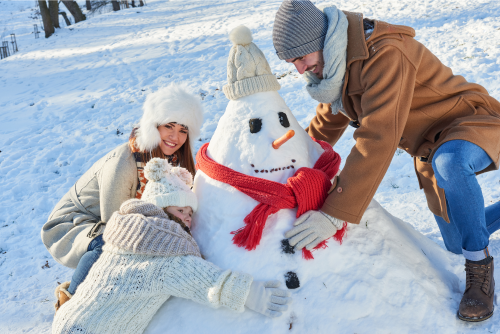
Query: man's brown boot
477, 302
62, 295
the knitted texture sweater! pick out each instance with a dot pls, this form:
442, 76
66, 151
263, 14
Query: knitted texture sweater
124, 288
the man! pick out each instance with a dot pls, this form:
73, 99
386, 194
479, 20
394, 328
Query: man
396, 93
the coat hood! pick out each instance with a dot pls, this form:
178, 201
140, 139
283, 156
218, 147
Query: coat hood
357, 46
383, 30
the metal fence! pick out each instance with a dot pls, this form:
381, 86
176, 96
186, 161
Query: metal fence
5, 49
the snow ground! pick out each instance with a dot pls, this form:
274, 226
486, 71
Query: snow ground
67, 100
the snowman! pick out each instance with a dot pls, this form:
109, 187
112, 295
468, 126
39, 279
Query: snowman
261, 171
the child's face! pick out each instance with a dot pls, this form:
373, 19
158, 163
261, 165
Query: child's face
183, 213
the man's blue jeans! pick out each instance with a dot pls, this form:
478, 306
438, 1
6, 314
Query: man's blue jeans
88, 259
455, 164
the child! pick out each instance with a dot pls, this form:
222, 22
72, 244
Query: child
150, 255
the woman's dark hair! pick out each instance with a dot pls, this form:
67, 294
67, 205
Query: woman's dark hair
184, 154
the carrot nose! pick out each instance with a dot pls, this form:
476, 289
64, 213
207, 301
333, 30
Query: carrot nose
283, 139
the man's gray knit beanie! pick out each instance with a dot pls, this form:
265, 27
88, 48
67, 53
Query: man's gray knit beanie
299, 29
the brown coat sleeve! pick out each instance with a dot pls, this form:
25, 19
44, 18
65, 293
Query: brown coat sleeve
388, 80
326, 126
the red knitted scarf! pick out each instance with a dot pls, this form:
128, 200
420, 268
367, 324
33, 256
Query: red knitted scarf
307, 190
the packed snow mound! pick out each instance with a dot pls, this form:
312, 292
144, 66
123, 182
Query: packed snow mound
385, 276
381, 277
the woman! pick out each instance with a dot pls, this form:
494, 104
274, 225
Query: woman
72, 234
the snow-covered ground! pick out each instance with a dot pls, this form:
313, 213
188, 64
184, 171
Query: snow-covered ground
67, 100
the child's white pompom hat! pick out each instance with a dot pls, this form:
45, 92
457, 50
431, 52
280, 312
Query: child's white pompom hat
173, 103
168, 186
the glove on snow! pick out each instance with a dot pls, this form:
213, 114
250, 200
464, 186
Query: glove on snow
312, 228
266, 298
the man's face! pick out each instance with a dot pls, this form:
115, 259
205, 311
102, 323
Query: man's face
312, 62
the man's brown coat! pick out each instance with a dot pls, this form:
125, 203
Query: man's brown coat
402, 96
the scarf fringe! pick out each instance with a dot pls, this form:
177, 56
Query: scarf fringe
249, 235
338, 236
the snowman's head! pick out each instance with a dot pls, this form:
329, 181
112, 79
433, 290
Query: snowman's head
243, 140
256, 117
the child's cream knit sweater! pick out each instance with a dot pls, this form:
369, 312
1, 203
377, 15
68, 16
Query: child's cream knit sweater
127, 285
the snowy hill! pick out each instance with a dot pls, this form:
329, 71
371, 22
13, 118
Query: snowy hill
67, 100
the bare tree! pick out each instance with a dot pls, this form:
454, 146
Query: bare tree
54, 12
48, 26
75, 10
116, 5
99, 6
65, 18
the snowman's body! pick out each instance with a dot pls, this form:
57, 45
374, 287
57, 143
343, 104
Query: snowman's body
380, 277
252, 154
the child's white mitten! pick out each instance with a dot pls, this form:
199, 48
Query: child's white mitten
266, 298
312, 228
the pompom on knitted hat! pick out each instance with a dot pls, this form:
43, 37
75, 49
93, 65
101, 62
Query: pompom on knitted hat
248, 71
174, 103
168, 186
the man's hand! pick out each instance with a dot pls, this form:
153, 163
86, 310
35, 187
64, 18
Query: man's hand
312, 228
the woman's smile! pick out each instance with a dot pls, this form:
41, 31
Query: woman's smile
169, 143
173, 136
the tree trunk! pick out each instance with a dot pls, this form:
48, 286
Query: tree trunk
133, 3
89, 6
48, 26
75, 10
54, 12
116, 5
126, 3
68, 23
141, 3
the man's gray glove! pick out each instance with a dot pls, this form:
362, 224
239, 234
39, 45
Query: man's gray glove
266, 298
312, 228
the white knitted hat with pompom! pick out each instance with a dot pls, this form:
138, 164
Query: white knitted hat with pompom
168, 186
248, 71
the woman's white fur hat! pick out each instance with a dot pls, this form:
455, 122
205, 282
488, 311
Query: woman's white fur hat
168, 186
173, 103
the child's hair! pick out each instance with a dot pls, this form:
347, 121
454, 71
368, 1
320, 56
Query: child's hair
184, 153
177, 220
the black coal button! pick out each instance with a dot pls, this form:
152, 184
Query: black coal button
292, 281
286, 248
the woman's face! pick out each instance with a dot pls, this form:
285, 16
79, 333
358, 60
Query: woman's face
173, 136
183, 213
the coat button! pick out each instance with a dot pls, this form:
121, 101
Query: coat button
339, 190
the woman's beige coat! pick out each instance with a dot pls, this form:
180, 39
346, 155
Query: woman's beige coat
101, 190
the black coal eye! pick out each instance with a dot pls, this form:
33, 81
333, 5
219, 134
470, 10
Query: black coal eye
255, 125
283, 119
